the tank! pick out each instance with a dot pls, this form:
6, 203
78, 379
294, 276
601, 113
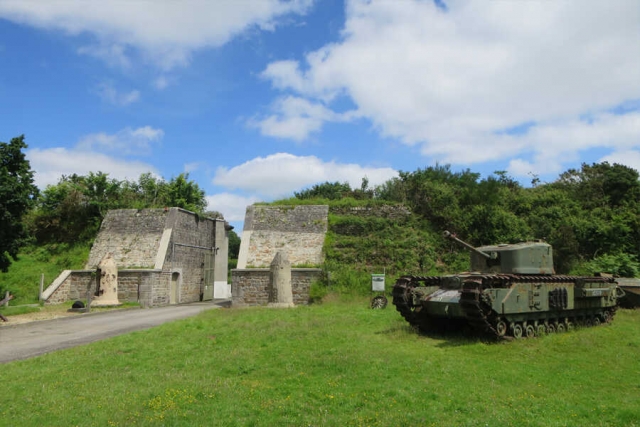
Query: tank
511, 292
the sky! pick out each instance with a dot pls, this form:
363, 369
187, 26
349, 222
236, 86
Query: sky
257, 99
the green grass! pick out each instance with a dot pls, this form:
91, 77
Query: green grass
23, 277
334, 364
13, 311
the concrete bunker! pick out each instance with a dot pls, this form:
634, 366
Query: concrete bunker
163, 256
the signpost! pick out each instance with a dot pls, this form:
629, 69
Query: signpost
377, 285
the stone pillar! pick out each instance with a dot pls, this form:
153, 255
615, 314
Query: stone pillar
280, 294
108, 283
221, 287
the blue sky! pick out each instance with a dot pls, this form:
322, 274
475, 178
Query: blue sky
257, 99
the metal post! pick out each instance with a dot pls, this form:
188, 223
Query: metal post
41, 287
6, 296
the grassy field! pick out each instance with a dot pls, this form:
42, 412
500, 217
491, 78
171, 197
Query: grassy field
335, 364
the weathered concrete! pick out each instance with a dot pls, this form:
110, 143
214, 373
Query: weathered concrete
107, 275
32, 339
280, 294
298, 230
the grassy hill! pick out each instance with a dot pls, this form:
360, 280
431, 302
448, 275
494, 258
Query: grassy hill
372, 236
23, 277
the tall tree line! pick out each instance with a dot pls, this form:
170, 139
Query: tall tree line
73, 209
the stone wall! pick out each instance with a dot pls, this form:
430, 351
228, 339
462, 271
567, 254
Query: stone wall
133, 286
384, 211
131, 235
298, 230
250, 287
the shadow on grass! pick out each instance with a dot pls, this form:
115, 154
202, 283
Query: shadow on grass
447, 339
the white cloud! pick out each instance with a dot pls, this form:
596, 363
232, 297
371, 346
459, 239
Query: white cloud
453, 81
161, 83
50, 164
90, 155
232, 206
629, 158
114, 55
124, 142
295, 118
165, 32
279, 175
553, 144
192, 167
109, 94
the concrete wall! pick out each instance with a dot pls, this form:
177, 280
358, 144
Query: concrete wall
191, 238
298, 230
250, 287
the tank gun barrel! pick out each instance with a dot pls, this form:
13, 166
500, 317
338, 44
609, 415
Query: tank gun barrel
449, 235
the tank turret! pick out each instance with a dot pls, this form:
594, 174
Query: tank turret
520, 258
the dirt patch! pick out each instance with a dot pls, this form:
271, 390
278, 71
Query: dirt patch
49, 312
35, 316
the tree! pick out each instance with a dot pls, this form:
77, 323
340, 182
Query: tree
234, 244
185, 194
326, 190
17, 194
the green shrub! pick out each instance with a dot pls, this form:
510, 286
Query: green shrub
620, 264
317, 291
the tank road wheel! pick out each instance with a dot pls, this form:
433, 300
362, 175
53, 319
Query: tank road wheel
530, 331
501, 328
606, 316
570, 326
517, 330
596, 321
551, 328
588, 322
560, 328
541, 329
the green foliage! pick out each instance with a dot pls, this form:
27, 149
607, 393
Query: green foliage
326, 190
620, 264
185, 194
317, 292
16, 197
73, 209
336, 191
234, 244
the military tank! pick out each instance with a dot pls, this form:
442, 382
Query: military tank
511, 292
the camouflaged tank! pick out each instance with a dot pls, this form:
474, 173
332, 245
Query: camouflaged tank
511, 292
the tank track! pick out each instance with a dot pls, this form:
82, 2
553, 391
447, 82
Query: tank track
479, 314
403, 299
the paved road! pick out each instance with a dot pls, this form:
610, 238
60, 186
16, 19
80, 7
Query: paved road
32, 339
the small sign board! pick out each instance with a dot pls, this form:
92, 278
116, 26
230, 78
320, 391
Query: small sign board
377, 282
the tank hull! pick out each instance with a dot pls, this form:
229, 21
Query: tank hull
505, 305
